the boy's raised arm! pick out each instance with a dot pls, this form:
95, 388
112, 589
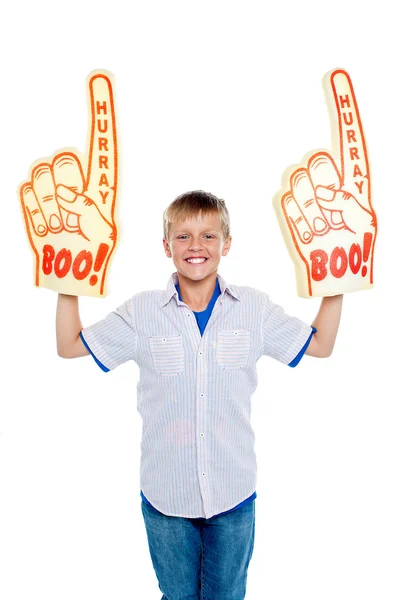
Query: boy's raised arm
326, 323
68, 327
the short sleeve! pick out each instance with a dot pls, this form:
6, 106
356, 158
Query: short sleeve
113, 340
283, 336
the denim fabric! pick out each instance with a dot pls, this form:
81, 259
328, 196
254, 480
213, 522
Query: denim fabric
201, 559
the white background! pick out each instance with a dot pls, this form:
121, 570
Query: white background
220, 96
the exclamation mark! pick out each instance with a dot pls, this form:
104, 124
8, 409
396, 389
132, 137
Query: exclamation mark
100, 258
368, 238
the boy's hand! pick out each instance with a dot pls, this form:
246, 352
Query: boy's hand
326, 217
69, 214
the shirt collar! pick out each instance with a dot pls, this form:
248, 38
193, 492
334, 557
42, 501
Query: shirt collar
171, 290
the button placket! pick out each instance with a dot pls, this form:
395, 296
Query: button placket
201, 421
201, 400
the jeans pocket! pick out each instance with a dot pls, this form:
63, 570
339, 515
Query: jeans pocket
232, 348
167, 354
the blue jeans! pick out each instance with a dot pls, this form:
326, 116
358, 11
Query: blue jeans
201, 559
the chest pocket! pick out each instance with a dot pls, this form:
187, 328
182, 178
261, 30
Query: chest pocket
167, 354
233, 348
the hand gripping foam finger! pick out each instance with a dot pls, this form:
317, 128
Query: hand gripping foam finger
69, 203
324, 207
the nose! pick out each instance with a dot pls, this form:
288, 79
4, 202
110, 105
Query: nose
195, 245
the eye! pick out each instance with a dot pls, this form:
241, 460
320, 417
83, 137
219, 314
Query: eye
184, 236
208, 235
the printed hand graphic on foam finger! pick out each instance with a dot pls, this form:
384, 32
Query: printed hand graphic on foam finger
326, 217
69, 216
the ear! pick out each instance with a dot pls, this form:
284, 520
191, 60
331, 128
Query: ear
226, 246
167, 248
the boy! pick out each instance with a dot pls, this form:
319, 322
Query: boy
197, 344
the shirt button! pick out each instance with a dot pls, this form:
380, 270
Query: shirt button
236, 333
164, 339
203, 474
200, 353
201, 434
202, 395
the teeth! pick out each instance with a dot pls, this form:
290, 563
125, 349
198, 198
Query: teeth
196, 260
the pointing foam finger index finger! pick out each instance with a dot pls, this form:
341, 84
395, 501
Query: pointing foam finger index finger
349, 136
102, 153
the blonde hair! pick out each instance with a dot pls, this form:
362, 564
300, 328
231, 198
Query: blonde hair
194, 204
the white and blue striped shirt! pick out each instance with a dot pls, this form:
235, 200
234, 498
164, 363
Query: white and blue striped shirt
194, 392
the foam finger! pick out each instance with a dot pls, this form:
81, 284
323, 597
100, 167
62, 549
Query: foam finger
303, 192
32, 210
102, 150
296, 219
44, 188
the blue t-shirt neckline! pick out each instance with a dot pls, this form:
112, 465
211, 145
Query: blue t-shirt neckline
202, 317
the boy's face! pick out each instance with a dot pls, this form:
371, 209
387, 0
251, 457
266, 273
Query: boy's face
202, 237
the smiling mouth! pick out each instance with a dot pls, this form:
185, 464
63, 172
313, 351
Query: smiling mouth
196, 262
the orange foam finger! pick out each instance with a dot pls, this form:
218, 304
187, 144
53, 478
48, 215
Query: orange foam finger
338, 258
72, 255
